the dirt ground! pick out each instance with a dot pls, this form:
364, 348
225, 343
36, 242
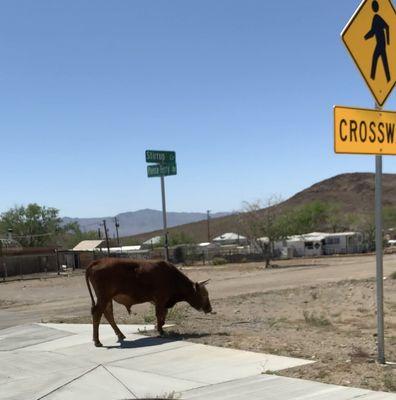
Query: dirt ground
321, 309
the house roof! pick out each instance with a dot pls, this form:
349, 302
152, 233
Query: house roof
88, 245
124, 249
207, 244
228, 236
153, 240
318, 236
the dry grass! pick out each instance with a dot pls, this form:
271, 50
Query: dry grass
316, 320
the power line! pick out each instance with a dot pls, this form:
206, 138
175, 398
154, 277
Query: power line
35, 235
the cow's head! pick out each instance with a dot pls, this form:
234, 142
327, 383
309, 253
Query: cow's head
202, 302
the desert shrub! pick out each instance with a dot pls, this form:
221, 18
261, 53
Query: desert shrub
219, 261
393, 275
175, 314
179, 255
315, 320
150, 317
390, 381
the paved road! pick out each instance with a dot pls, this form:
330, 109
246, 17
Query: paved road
38, 300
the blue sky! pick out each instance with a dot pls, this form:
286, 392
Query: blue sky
242, 90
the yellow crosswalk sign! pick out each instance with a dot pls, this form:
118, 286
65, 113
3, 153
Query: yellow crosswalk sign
370, 37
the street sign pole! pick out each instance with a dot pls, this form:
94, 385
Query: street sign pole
166, 249
359, 39
379, 257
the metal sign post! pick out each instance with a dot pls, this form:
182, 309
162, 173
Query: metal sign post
379, 260
166, 247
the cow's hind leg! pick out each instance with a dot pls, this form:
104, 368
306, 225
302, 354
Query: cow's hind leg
108, 313
160, 313
97, 312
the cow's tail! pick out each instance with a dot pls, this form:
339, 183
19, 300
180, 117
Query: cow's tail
87, 271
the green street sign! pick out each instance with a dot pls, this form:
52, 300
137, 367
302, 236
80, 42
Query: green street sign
154, 171
160, 157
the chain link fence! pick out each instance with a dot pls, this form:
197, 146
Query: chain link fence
21, 264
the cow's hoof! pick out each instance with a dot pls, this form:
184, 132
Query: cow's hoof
98, 344
121, 338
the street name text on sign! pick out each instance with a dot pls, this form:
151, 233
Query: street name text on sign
160, 157
370, 37
154, 171
363, 131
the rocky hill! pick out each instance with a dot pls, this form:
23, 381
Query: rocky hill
354, 192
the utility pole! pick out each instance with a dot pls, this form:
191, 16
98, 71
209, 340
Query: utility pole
107, 237
99, 234
166, 244
208, 220
117, 225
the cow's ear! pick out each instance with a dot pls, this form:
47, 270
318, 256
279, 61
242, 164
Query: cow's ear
204, 283
196, 286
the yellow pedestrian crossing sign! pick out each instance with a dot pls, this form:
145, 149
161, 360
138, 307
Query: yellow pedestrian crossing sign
370, 37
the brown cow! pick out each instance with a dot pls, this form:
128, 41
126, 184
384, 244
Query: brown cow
132, 282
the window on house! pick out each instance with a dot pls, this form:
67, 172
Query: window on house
333, 240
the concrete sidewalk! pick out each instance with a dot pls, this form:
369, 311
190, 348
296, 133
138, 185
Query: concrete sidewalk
59, 361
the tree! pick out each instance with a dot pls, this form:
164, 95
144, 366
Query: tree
33, 225
72, 235
365, 223
263, 225
177, 238
309, 217
389, 217
319, 216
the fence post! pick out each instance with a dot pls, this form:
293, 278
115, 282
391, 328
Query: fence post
2, 261
20, 269
4, 268
57, 261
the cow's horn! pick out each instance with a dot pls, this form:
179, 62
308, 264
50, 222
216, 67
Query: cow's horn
204, 282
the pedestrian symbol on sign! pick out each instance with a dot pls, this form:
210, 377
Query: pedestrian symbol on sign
378, 29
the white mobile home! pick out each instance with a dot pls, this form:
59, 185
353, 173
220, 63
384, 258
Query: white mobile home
310, 244
343, 243
318, 243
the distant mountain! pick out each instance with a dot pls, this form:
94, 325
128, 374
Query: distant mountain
136, 222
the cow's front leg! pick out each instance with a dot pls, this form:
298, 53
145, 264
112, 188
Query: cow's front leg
160, 312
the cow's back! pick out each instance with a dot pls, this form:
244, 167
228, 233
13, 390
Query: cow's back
141, 280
